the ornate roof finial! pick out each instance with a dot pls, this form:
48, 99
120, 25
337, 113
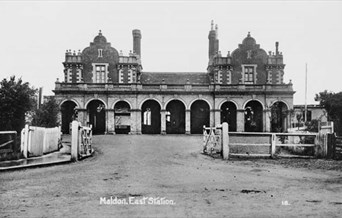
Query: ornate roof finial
212, 24
249, 34
100, 33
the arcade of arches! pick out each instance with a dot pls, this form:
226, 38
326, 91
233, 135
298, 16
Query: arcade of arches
175, 117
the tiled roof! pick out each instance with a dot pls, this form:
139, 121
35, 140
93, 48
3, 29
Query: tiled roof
174, 78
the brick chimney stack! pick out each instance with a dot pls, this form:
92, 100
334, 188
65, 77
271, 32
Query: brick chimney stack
213, 40
137, 42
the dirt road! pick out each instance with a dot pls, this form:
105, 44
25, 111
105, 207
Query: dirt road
168, 170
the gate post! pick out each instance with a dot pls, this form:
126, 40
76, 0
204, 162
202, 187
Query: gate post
26, 138
225, 141
273, 144
74, 141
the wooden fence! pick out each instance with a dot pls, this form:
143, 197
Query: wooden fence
254, 144
334, 146
36, 141
81, 140
8, 143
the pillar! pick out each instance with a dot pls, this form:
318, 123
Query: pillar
135, 121
110, 120
187, 121
217, 114
163, 121
267, 120
74, 140
240, 120
82, 116
212, 118
225, 141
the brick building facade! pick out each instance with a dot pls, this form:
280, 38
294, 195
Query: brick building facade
111, 92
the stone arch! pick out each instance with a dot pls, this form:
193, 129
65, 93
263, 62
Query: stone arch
92, 99
122, 117
253, 116
67, 108
172, 99
175, 117
71, 99
279, 116
199, 116
150, 117
246, 102
197, 99
96, 115
129, 103
147, 99
229, 114
224, 101
287, 105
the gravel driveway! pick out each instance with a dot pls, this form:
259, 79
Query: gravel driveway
166, 176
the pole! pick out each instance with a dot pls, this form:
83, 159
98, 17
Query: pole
306, 91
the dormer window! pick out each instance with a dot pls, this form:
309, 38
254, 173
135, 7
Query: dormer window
249, 74
100, 73
100, 55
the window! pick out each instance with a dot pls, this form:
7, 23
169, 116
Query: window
309, 115
100, 73
249, 75
229, 75
269, 77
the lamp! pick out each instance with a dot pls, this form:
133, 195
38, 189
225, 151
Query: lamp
99, 108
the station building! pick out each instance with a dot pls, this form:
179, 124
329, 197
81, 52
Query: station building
112, 93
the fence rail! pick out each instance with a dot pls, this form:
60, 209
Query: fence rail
8, 140
254, 144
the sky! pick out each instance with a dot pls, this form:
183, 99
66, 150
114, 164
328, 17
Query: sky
36, 34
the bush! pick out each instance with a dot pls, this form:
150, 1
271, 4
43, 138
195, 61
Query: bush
47, 114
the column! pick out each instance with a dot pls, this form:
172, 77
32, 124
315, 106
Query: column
267, 119
187, 121
240, 120
163, 121
217, 113
110, 121
135, 121
82, 116
133, 118
212, 118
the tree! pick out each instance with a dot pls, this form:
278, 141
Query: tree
332, 102
312, 126
16, 98
47, 114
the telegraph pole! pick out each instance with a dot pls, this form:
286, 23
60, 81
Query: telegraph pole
306, 90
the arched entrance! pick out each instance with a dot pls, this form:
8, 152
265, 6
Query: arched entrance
253, 117
278, 117
97, 116
122, 117
228, 114
67, 110
150, 117
200, 116
175, 117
